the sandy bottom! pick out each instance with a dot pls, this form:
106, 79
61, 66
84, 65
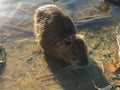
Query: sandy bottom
24, 63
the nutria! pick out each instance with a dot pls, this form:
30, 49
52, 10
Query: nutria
56, 34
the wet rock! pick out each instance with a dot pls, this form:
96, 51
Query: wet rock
2, 55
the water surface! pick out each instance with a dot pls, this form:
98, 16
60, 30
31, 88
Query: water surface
23, 64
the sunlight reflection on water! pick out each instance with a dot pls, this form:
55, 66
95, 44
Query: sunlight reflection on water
10, 7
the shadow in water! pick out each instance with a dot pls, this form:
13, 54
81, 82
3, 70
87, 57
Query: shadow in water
2, 67
73, 79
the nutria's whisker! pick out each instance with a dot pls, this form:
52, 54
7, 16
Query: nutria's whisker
70, 68
76, 68
66, 70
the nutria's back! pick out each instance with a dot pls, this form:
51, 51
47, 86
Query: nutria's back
56, 34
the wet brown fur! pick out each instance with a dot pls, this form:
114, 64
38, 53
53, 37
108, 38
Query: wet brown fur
56, 34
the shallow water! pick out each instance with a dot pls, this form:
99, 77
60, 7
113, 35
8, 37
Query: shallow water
23, 64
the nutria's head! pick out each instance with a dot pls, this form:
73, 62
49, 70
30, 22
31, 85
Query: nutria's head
56, 34
73, 50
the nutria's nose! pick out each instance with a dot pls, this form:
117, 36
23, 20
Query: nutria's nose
84, 62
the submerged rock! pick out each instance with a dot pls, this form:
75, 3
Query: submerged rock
2, 55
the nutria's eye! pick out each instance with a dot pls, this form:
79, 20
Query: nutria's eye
68, 43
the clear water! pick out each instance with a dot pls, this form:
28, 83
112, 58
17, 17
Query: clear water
24, 9
16, 34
